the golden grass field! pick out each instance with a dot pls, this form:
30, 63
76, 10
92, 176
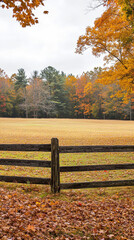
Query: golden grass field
28, 210
68, 131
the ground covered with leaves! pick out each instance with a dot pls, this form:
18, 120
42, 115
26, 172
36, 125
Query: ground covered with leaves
23, 216
32, 213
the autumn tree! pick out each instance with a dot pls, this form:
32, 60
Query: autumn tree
110, 36
23, 11
7, 95
91, 99
84, 101
70, 85
128, 8
113, 105
113, 36
95, 90
85, 94
38, 100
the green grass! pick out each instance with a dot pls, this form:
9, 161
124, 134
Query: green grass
70, 160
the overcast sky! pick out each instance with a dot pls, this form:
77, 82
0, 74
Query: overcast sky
52, 42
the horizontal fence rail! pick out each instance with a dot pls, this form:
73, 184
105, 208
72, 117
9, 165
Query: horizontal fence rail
97, 184
56, 169
30, 180
96, 167
97, 148
26, 147
93, 149
26, 163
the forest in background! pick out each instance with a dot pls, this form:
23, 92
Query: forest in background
29, 212
52, 93
106, 93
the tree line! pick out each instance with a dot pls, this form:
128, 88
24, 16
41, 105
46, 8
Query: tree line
52, 93
101, 93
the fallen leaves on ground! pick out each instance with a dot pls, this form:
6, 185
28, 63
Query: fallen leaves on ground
23, 217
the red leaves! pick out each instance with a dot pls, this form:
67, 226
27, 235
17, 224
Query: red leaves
23, 217
79, 204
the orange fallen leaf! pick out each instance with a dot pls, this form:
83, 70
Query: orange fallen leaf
31, 228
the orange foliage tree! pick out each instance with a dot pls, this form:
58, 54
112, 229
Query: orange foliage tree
7, 94
85, 94
113, 35
79, 100
70, 86
23, 10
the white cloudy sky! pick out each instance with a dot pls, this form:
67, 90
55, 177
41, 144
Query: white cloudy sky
51, 42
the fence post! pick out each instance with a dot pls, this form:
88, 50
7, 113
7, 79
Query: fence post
55, 169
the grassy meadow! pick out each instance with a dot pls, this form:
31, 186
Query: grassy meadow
69, 132
32, 212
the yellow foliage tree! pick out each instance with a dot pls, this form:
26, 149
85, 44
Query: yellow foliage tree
113, 35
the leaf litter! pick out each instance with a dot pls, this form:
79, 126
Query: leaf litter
24, 217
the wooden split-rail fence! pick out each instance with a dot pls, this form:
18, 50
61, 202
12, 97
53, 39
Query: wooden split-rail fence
56, 169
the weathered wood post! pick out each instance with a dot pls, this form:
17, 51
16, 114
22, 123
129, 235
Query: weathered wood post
55, 169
